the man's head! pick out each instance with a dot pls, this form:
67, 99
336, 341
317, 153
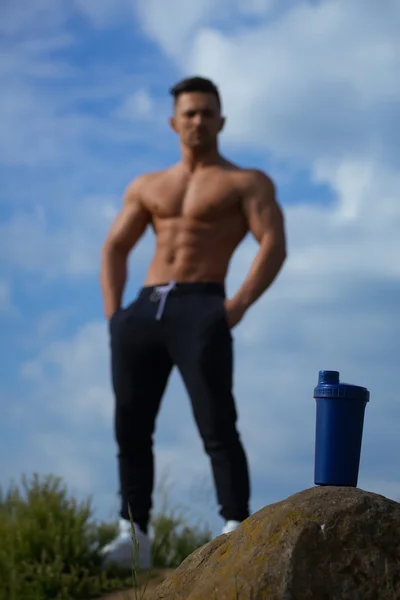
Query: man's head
197, 115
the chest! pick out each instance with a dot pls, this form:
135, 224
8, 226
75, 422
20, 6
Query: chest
199, 198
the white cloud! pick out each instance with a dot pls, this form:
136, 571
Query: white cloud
137, 106
302, 85
70, 381
258, 8
48, 326
74, 248
67, 461
174, 34
299, 85
313, 85
325, 311
27, 15
42, 123
34, 129
103, 13
33, 133
7, 306
77, 370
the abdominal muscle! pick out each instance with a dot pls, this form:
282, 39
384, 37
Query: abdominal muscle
188, 250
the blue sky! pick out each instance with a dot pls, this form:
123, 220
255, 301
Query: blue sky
311, 95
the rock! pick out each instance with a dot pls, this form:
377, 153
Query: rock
324, 543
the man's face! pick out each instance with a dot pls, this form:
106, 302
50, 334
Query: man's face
197, 119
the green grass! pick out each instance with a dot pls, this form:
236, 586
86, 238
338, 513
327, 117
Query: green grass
50, 543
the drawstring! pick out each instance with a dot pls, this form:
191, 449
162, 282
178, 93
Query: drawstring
161, 293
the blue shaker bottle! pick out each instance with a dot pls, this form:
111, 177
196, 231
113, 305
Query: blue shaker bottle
339, 429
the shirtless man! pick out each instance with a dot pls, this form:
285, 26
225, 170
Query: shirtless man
200, 210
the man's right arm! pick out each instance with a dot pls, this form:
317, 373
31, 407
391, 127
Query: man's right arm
125, 232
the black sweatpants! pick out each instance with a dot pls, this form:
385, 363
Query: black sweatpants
181, 324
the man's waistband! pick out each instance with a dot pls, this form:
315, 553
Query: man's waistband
186, 287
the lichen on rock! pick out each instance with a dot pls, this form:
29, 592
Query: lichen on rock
324, 543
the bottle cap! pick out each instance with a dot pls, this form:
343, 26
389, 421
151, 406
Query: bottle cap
329, 386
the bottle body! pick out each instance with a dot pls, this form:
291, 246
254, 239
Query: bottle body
339, 430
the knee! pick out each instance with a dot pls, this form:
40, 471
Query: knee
220, 438
133, 445
131, 434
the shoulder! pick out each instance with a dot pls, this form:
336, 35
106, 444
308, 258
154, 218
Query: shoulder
137, 186
145, 179
248, 177
258, 195
254, 184
256, 180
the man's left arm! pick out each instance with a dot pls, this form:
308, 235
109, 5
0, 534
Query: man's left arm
266, 222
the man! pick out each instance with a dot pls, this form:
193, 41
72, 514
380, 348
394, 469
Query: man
200, 210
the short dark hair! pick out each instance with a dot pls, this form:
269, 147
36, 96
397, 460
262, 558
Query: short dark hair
195, 84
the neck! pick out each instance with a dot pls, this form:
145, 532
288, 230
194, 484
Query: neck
193, 159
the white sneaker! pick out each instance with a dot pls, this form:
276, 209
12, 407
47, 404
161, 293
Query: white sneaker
230, 526
123, 550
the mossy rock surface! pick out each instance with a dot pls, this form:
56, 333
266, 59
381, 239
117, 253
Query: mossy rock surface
324, 543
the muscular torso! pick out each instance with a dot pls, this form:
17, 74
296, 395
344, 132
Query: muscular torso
197, 220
